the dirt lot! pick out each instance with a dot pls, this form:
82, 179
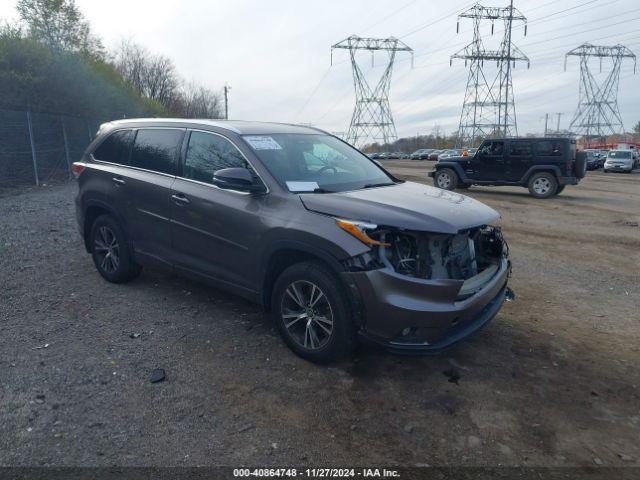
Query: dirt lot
554, 379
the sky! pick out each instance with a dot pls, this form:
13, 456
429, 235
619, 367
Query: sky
276, 55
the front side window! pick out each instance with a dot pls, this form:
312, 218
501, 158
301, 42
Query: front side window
316, 162
208, 153
115, 149
550, 148
493, 149
157, 149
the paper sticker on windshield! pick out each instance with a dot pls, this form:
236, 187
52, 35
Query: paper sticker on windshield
302, 186
262, 142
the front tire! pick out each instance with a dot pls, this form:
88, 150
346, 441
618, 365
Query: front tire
446, 179
543, 185
111, 252
312, 313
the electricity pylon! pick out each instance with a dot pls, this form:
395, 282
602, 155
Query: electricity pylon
372, 119
489, 107
598, 114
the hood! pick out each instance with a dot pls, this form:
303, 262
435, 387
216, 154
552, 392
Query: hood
408, 205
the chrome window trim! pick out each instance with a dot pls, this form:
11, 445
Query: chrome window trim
94, 159
190, 130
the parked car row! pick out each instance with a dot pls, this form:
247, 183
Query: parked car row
424, 154
389, 156
621, 160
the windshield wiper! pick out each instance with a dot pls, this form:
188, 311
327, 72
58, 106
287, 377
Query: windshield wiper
322, 190
374, 185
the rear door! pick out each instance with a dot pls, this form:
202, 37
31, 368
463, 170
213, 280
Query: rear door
215, 232
110, 165
154, 158
552, 152
519, 159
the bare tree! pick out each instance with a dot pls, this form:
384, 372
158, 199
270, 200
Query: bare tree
155, 77
200, 102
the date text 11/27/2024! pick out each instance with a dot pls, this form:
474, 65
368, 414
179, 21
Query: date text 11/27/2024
316, 473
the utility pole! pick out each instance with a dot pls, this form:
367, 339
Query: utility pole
372, 119
226, 101
488, 109
598, 114
546, 123
559, 114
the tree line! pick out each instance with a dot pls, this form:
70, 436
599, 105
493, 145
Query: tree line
51, 61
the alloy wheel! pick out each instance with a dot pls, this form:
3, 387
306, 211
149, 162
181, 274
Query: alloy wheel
444, 180
107, 249
307, 315
541, 185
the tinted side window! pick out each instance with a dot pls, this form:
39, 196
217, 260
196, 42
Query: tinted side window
115, 148
520, 148
207, 153
494, 149
550, 147
157, 150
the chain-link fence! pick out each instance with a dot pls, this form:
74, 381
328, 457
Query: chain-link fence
38, 147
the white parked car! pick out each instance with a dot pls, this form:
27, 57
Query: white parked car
619, 161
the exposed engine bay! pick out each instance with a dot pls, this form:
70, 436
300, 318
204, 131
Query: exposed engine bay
434, 256
473, 255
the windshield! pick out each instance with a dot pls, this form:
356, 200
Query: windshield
321, 163
619, 154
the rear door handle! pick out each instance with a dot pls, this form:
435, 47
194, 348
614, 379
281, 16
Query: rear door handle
118, 180
180, 199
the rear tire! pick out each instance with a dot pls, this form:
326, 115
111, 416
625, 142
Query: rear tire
312, 312
446, 179
110, 250
543, 185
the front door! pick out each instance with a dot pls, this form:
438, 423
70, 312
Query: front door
489, 162
215, 232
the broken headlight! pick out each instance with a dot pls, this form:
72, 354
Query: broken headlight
428, 255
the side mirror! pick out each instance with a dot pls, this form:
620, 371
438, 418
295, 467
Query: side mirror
236, 179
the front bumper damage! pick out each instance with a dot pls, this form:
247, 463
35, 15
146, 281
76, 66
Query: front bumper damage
410, 313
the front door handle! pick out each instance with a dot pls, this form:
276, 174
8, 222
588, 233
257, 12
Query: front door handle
180, 199
118, 180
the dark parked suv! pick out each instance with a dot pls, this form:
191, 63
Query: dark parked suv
298, 221
543, 165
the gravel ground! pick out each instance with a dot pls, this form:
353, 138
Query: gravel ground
553, 380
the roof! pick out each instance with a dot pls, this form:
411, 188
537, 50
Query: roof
241, 127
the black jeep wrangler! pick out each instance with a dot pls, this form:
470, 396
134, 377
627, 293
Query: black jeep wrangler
543, 165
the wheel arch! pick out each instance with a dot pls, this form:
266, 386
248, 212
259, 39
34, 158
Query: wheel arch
285, 254
553, 169
455, 166
93, 210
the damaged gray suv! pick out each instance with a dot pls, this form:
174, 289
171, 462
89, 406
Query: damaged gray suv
299, 221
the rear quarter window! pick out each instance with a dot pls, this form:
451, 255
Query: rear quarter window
157, 149
115, 148
551, 148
